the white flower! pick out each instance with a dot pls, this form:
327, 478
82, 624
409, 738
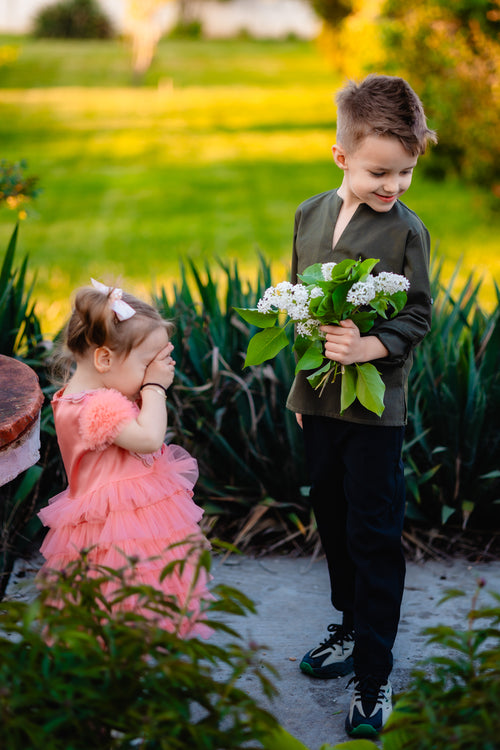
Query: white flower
283, 286
290, 298
362, 292
300, 293
267, 301
326, 270
390, 283
316, 292
306, 327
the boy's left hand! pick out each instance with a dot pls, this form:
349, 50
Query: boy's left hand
344, 344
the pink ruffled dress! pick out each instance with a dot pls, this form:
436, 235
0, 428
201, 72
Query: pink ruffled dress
123, 504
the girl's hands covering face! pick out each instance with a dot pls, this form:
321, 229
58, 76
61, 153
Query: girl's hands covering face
162, 368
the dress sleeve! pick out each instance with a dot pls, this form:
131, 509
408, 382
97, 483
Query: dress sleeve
105, 412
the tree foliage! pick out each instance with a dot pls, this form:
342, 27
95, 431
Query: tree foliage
450, 52
333, 11
73, 19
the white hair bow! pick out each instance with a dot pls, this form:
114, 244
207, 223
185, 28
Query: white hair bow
122, 310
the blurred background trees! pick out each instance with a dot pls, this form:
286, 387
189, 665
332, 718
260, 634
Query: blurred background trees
449, 50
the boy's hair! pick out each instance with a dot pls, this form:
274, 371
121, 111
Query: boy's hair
382, 105
93, 324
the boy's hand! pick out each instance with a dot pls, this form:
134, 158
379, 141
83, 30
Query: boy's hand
162, 368
344, 344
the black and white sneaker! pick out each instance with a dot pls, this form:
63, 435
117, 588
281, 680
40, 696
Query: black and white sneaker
371, 706
333, 657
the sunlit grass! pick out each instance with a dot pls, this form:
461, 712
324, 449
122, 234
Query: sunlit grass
135, 179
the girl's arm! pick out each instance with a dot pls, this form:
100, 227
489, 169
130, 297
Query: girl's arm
146, 433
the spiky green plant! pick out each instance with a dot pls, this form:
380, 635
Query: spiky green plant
21, 337
19, 326
453, 438
233, 420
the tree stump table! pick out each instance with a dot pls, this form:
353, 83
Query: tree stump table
20, 402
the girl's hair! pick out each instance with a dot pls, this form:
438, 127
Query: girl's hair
382, 105
93, 323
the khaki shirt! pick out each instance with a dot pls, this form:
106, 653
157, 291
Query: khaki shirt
401, 242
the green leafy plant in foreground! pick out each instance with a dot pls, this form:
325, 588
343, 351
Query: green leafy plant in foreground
91, 675
453, 698
329, 294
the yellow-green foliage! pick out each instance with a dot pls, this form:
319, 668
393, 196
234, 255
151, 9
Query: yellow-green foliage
450, 52
355, 45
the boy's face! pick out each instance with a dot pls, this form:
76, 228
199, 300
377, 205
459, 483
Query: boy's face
377, 172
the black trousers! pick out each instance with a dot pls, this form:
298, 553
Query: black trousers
358, 498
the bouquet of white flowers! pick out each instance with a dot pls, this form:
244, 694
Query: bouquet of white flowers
329, 293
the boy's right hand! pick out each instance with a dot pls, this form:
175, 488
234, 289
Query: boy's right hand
162, 369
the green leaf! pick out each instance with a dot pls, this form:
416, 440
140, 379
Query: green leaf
256, 318
339, 295
265, 345
325, 309
312, 274
280, 739
398, 301
352, 745
370, 388
300, 345
446, 512
312, 357
367, 266
379, 304
348, 387
316, 377
495, 474
364, 319
342, 270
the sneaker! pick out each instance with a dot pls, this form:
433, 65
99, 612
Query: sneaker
371, 706
333, 657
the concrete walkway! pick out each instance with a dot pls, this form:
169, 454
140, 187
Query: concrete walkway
293, 610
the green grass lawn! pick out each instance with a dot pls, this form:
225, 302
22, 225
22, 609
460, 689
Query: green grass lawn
208, 159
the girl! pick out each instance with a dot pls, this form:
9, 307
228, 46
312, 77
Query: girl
129, 494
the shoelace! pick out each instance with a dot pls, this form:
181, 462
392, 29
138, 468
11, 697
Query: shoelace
369, 691
338, 635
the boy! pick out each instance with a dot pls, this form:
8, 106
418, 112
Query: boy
354, 460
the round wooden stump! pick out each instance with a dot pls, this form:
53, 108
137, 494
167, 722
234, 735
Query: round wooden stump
20, 402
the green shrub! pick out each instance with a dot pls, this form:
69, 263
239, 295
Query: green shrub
16, 188
450, 53
73, 19
454, 697
86, 676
